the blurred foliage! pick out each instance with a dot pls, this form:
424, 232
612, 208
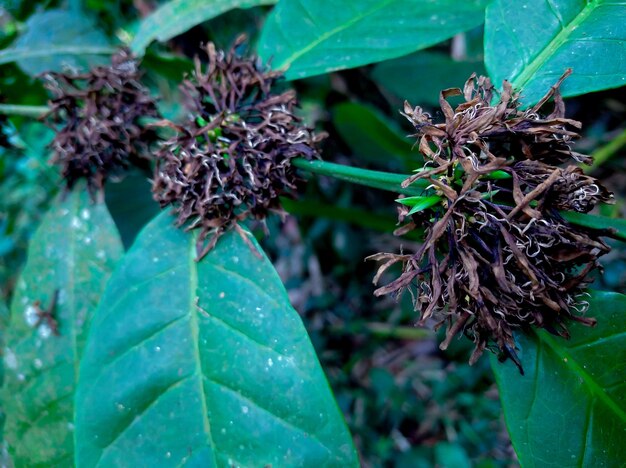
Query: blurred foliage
27, 183
407, 403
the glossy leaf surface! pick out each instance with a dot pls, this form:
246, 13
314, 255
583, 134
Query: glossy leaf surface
532, 42
569, 410
177, 16
311, 37
72, 253
55, 39
202, 363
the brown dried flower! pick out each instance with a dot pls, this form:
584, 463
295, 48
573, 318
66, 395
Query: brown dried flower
497, 255
98, 118
232, 159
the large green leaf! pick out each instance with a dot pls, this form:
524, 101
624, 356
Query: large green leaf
72, 253
374, 137
55, 39
177, 16
532, 42
569, 409
418, 78
310, 37
202, 363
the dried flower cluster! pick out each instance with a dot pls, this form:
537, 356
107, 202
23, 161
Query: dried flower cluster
497, 254
98, 117
232, 159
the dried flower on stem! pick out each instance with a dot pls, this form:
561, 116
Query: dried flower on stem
232, 159
497, 255
98, 117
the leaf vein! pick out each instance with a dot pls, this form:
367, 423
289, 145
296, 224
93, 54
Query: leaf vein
255, 404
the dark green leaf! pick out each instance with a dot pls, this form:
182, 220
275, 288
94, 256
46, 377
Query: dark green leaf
372, 136
72, 252
569, 409
55, 39
310, 37
532, 42
177, 16
131, 205
617, 225
419, 78
202, 363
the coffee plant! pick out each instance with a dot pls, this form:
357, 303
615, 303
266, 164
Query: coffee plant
154, 158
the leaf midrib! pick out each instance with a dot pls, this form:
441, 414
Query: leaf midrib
550, 49
327, 35
13, 54
592, 385
193, 324
71, 282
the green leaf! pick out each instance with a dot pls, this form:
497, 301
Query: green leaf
419, 78
72, 252
420, 203
177, 16
569, 409
372, 136
617, 225
310, 37
55, 39
202, 363
532, 42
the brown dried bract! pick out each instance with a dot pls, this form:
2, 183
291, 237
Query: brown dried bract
232, 159
97, 116
497, 255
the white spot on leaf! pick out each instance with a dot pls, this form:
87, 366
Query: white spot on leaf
30, 316
10, 359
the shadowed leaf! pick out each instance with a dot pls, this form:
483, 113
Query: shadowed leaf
70, 257
569, 408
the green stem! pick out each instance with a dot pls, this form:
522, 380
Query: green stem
314, 209
25, 111
386, 330
375, 179
391, 182
604, 153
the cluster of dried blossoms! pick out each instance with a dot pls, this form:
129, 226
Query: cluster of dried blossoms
497, 254
232, 159
99, 117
